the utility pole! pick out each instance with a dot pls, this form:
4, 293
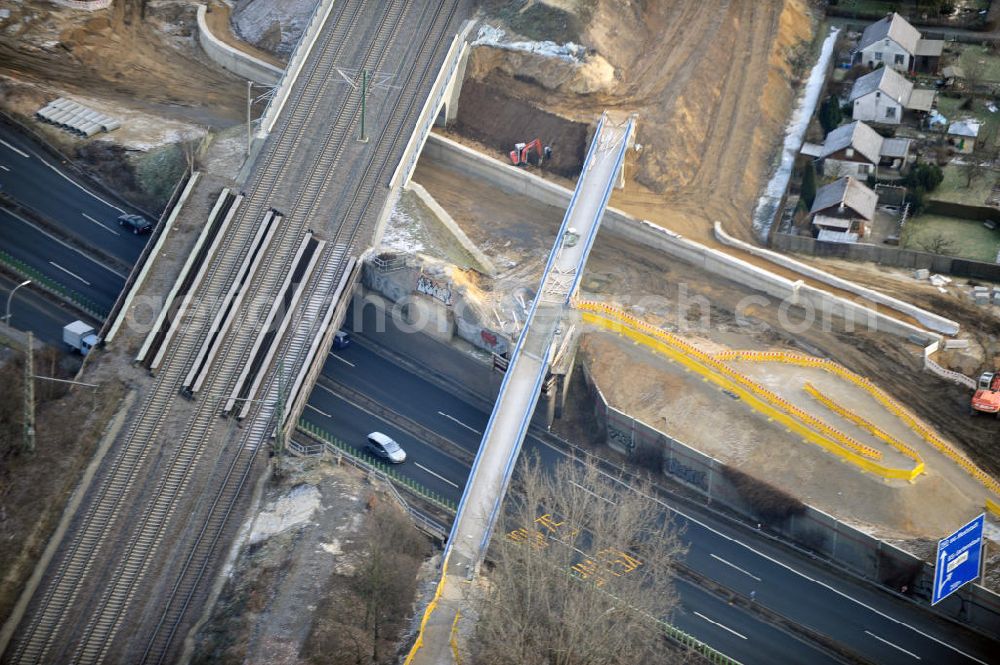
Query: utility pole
364, 106
249, 121
29, 395
279, 430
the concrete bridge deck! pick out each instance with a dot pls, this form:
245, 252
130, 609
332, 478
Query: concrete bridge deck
529, 364
530, 360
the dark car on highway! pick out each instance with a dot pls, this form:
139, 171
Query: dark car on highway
135, 223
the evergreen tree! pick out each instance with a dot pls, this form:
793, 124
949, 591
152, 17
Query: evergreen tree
808, 189
830, 115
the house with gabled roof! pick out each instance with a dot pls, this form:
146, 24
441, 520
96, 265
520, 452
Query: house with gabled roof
881, 96
855, 149
894, 43
843, 210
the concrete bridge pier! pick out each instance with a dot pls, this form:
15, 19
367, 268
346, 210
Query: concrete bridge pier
449, 107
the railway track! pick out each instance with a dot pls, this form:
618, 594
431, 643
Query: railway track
38, 638
295, 345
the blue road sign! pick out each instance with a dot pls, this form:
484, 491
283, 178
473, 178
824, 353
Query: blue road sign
958, 558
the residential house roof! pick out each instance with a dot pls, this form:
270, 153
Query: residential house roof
846, 192
921, 99
857, 135
967, 127
929, 47
896, 148
896, 28
887, 81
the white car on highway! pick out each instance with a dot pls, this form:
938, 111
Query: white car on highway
383, 446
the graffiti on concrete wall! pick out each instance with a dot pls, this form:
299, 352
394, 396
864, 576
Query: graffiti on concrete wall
434, 288
621, 437
687, 474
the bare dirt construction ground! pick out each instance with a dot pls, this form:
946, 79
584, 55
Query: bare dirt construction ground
142, 54
292, 592
665, 395
516, 233
712, 86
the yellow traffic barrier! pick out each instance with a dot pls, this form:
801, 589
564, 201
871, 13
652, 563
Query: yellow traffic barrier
993, 507
864, 424
454, 639
755, 395
431, 606
880, 395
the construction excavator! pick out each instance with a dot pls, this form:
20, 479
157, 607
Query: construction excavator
521, 153
987, 396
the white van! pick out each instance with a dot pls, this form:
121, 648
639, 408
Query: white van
382, 446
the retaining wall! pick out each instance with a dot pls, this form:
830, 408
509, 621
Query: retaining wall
813, 530
86, 5
291, 73
618, 223
446, 220
929, 319
231, 58
887, 255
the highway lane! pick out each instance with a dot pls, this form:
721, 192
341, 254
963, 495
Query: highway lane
59, 261
36, 181
32, 311
700, 613
871, 622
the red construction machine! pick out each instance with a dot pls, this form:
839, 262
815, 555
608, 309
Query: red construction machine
521, 154
987, 396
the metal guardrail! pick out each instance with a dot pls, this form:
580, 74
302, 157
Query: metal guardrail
151, 242
327, 443
50, 285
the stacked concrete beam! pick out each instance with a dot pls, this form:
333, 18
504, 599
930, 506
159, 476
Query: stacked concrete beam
76, 118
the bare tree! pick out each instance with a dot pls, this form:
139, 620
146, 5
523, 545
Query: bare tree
386, 579
978, 165
581, 573
937, 243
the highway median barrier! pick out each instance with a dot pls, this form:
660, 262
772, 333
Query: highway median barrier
46, 283
335, 445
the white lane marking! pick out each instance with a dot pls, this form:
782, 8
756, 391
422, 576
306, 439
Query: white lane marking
436, 475
721, 626
346, 362
456, 420
64, 244
73, 274
4, 167
103, 226
64, 176
322, 413
776, 561
881, 639
20, 152
596, 496
733, 565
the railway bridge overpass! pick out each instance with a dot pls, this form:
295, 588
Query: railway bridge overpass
131, 568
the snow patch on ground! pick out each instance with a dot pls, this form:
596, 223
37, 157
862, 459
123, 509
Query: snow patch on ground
259, 21
295, 508
570, 52
404, 230
334, 547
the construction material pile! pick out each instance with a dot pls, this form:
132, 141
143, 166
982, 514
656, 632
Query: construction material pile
76, 118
